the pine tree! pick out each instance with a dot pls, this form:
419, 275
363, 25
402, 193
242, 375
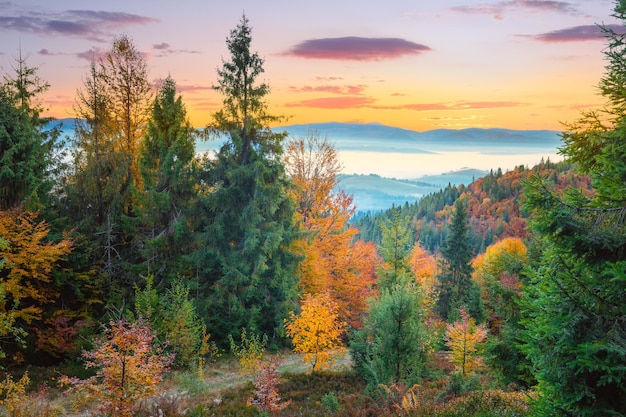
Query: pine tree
244, 261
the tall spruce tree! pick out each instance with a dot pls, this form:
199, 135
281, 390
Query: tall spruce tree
456, 288
574, 309
245, 265
166, 155
27, 148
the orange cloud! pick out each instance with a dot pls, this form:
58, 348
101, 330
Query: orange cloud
334, 102
459, 105
348, 89
354, 48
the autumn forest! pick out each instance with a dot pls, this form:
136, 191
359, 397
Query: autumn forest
133, 269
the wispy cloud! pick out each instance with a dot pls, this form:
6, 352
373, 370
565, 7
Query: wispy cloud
335, 89
335, 102
459, 105
89, 24
96, 54
500, 8
576, 34
370, 102
193, 88
164, 49
354, 48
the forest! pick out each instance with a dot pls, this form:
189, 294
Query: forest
133, 269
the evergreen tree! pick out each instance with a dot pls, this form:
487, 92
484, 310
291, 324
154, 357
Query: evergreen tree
244, 263
166, 156
456, 288
27, 149
574, 309
391, 347
395, 244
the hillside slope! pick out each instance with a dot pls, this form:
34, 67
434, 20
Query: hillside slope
493, 203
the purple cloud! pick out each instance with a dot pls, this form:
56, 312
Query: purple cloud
165, 49
498, 9
161, 46
355, 48
576, 33
96, 54
89, 24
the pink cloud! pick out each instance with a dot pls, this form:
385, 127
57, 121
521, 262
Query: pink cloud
88, 24
576, 33
459, 105
335, 89
353, 48
334, 102
498, 9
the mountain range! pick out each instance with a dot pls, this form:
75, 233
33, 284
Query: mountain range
375, 192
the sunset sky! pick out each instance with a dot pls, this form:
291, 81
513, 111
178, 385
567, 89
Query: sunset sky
416, 64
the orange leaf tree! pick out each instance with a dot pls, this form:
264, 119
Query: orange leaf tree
128, 368
333, 260
463, 337
317, 330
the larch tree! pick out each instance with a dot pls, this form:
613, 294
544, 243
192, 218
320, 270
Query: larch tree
125, 75
574, 308
244, 259
96, 179
463, 337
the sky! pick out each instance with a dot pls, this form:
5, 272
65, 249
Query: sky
414, 64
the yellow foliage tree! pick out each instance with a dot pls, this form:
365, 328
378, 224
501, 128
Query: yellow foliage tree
463, 338
424, 268
496, 272
317, 330
28, 262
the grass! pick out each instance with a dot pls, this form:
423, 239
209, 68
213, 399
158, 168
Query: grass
222, 390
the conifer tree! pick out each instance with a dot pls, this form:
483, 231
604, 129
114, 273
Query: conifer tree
392, 347
27, 148
395, 244
574, 308
166, 155
244, 261
456, 288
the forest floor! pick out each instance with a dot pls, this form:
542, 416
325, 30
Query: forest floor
182, 391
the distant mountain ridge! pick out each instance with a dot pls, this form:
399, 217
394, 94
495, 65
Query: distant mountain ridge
377, 131
373, 193
380, 131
